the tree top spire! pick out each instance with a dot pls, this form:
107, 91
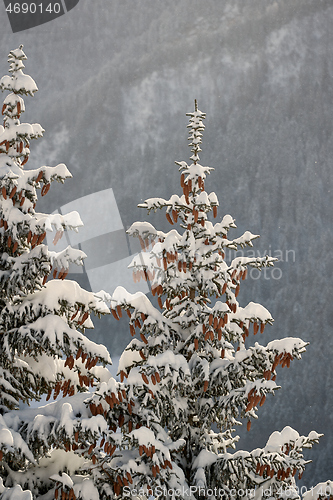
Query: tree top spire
196, 125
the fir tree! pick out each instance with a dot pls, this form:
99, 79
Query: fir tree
193, 370
43, 349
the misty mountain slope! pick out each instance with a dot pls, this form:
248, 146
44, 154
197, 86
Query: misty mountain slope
113, 100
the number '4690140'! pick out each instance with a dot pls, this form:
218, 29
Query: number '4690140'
33, 8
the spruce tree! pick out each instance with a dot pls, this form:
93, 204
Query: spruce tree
43, 348
194, 370
190, 374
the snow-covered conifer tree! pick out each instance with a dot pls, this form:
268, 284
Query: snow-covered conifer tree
191, 372
195, 368
43, 349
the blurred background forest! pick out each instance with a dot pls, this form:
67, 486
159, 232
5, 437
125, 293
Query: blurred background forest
115, 80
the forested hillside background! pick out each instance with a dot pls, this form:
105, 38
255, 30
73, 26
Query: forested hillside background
115, 80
